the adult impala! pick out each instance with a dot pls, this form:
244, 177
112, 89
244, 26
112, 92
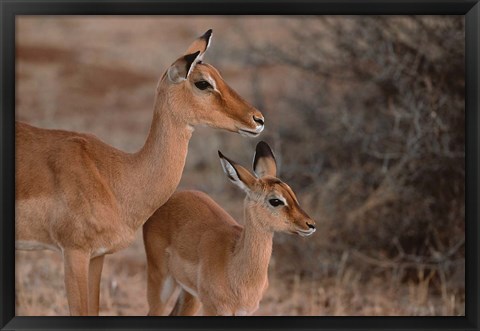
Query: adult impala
84, 198
195, 245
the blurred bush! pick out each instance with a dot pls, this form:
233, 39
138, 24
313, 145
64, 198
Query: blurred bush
379, 159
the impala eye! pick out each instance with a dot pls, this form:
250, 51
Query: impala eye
276, 202
203, 85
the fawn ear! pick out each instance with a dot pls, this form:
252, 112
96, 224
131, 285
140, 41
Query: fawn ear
181, 68
237, 174
264, 163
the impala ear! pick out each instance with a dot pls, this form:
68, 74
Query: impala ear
201, 44
264, 163
181, 68
237, 174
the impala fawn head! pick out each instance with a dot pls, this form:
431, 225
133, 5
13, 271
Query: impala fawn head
270, 199
200, 91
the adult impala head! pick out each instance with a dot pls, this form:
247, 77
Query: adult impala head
204, 96
268, 197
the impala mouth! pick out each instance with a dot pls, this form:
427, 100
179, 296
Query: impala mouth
248, 133
252, 133
306, 233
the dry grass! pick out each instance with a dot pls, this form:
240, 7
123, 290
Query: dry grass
40, 290
98, 75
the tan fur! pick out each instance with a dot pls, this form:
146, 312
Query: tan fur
80, 196
211, 257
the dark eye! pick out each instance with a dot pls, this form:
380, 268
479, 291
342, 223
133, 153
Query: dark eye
203, 85
275, 202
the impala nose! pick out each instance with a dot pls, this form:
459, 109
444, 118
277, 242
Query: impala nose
259, 120
311, 226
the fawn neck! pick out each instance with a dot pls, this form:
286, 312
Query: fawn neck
249, 263
157, 168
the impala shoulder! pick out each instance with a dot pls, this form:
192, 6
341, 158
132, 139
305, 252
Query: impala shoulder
194, 194
76, 152
22, 128
196, 198
89, 148
77, 141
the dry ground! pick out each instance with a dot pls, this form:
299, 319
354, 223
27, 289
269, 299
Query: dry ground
98, 75
40, 290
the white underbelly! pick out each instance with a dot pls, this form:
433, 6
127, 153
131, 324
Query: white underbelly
183, 271
31, 245
188, 289
100, 251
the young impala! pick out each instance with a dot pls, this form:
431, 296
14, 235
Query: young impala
84, 198
195, 245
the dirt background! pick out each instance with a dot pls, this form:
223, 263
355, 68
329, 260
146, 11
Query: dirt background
366, 118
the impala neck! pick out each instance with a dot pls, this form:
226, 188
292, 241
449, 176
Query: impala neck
157, 168
253, 250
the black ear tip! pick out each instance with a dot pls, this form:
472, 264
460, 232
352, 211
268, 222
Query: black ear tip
262, 144
191, 57
263, 149
207, 34
221, 155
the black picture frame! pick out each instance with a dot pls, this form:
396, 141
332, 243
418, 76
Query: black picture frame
10, 8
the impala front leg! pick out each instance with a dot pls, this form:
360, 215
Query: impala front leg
76, 280
187, 305
209, 310
160, 290
216, 309
94, 277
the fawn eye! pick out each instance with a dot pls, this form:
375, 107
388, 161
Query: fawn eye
203, 85
276, 202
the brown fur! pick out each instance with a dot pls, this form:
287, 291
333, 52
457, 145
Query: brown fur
193, 244
82, 197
